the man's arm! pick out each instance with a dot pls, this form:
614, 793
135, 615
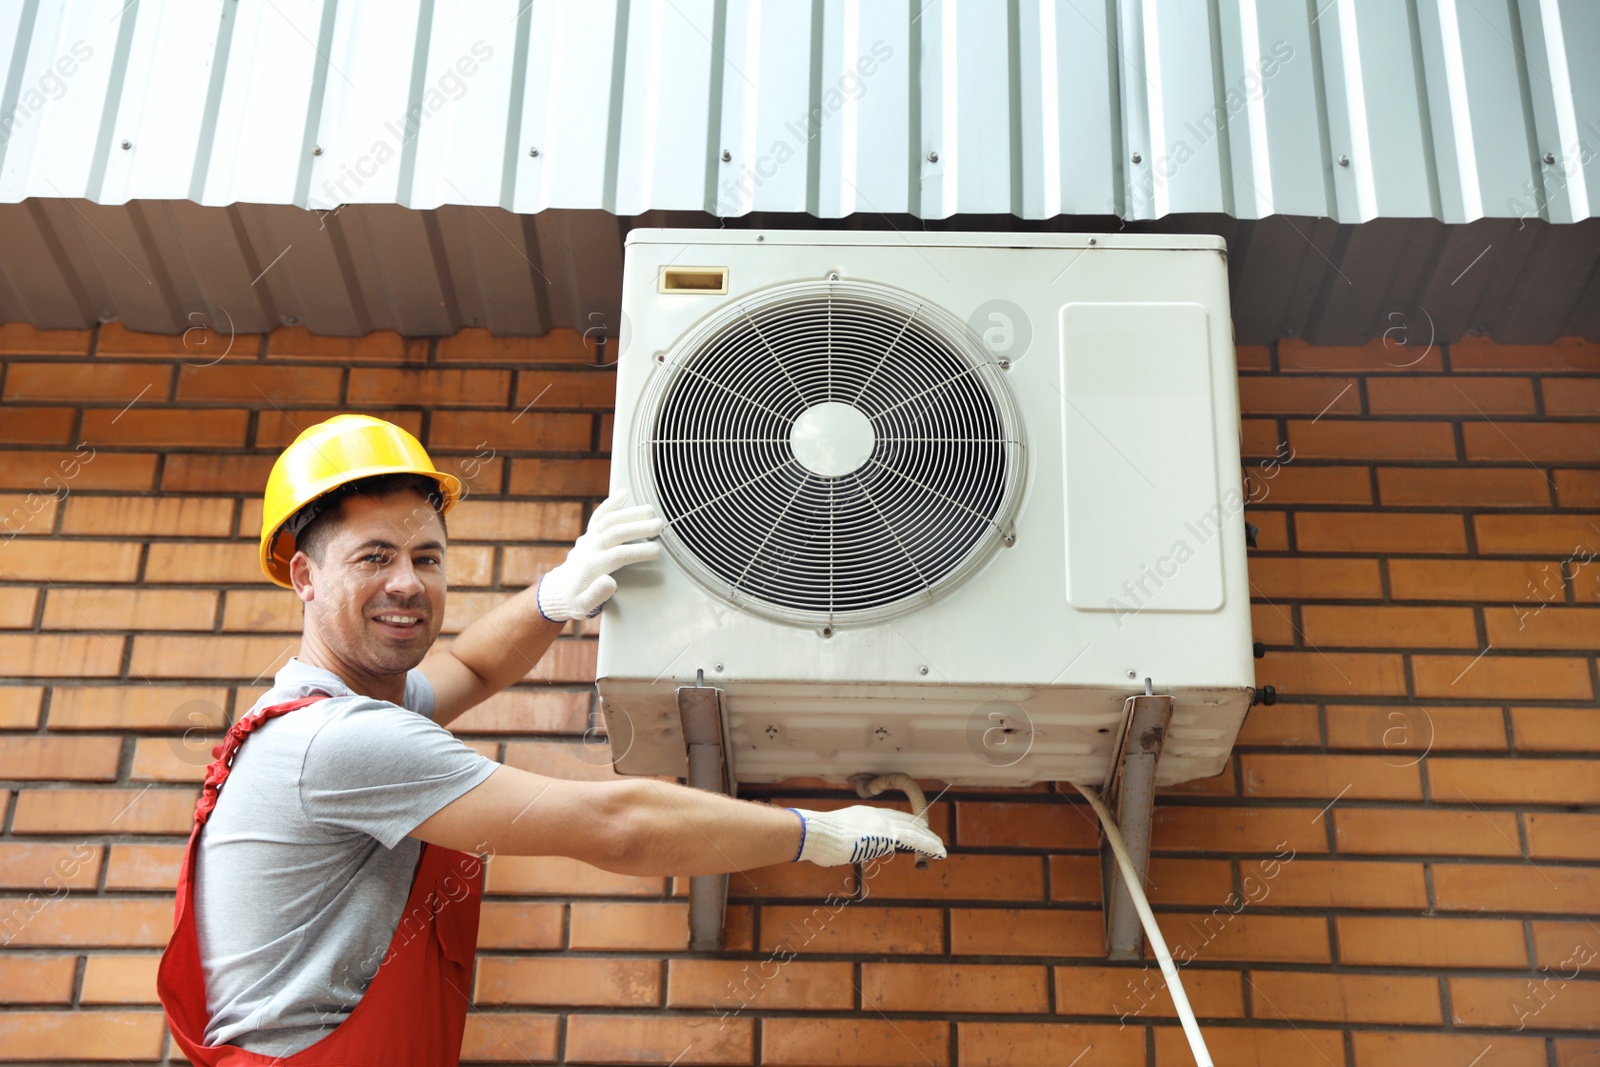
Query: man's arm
503, 645
490, 654
644, 827
636, 826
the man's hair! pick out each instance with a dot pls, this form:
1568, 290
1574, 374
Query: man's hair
319, 520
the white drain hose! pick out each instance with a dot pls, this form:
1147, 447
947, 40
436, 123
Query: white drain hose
1130, 876
906, 784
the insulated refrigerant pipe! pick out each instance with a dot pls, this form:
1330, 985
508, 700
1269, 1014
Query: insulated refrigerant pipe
1130, 876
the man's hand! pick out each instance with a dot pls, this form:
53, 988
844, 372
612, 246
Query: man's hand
861, 833
583, 583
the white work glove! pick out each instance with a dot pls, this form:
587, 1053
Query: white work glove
579, 586
860, 833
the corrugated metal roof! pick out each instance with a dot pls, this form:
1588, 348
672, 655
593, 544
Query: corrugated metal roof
181, 138
1440, 108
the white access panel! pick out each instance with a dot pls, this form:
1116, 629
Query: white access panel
1093, 442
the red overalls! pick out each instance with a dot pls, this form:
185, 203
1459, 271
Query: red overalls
415, 1008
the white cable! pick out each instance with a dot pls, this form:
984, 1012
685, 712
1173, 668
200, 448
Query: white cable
1130, 876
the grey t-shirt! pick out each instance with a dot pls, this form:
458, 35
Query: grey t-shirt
304, 867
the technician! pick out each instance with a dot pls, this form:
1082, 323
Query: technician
327, 908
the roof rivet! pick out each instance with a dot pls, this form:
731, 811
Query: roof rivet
1549, 157
1344, 161
933, 157
1137, 158
316, 150
126, 145
727, 156
534, 152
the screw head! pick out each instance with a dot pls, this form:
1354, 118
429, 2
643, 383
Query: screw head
126, 145
1133, 674
727, 156
1549, 157
316, 150
1137, 158
1344, 161
933, 157
827, 631
1093, 242
534, 152
717, 667
922, 670
1009, 539
1005, 364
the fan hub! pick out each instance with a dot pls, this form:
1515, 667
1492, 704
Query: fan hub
832, 439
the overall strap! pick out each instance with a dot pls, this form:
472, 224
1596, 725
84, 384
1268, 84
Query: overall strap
218, 772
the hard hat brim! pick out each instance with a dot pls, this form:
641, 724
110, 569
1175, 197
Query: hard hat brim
279, 547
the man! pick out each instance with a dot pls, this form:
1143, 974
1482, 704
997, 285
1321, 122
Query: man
313, 923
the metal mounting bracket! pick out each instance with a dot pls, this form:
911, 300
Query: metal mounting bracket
705, 739
1130, 794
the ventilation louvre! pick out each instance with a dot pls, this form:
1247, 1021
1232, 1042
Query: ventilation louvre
827, 453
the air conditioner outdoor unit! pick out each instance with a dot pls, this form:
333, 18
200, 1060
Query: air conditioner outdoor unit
937, 503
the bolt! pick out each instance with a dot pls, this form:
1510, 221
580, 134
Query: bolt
727, 156
1549, 157
534, 152
933, 157
1344, 161
316, 150
126, 145
922, 670
1137, 158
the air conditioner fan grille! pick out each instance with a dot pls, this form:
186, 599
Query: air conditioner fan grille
849, 522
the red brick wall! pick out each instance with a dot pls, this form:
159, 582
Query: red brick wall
1400, 866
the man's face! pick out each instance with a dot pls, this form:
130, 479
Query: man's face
377, 597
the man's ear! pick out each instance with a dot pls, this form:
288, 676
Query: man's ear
300, 577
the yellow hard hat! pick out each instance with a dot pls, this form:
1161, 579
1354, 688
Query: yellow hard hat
326, 456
